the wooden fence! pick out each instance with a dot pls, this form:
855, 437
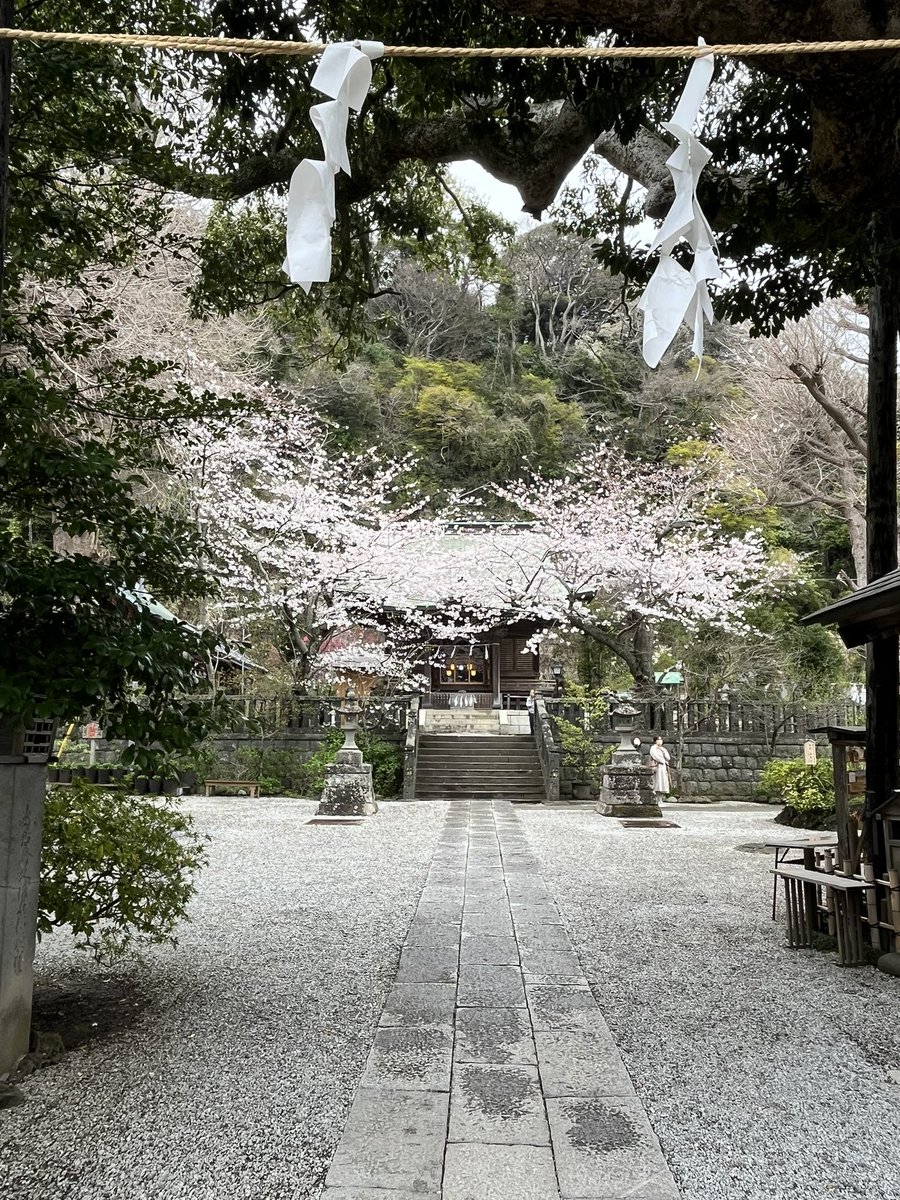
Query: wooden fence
696, 718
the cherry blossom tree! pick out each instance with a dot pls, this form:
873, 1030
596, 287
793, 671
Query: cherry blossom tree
311, 543
617, 549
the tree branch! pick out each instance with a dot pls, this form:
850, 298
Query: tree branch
840, 418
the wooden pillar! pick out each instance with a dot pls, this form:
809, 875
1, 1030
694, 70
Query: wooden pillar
841, 801
882, 674
7, 20
495, 665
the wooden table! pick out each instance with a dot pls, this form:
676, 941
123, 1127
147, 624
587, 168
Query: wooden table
801, 903
808, 843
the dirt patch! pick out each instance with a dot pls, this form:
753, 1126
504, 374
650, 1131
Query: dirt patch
77, 1013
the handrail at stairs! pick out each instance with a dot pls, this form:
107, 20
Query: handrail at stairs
548, 750
411, 750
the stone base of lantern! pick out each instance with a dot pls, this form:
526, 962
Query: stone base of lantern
627, 792
348, 787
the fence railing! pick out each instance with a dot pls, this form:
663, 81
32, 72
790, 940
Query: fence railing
694, 718
548, 750
273, 716
411, 750
463, 699
460, 699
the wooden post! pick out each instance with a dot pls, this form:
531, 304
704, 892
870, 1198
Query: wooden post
882, 674
871, 897
894, 905
7, 20
841, 800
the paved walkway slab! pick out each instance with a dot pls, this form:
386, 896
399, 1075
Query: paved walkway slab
494, 1075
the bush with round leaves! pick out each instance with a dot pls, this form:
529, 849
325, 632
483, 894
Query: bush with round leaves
119, 870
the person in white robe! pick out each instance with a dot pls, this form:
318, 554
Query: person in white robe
660, 759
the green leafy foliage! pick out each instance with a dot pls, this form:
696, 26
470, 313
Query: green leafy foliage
806, 789
74, 637
314, 768
83, 425
118, 870
385, 758
582, 754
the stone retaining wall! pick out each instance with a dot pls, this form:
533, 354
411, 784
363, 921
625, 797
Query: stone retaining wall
726, 769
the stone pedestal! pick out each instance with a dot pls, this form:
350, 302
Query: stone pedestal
22, 790
626, 791
348, 787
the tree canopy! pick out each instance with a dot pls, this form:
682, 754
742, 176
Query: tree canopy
802, 145
496, 358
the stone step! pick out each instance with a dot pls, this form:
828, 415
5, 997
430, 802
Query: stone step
487, 777
479, 785
462, 762
476, 753
456, 738
480, 794
476, 768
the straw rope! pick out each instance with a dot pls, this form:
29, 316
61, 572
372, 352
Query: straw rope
262, 46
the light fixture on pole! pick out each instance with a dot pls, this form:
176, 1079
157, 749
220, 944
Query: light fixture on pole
556, 667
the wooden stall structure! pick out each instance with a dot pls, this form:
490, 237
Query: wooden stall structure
871, 617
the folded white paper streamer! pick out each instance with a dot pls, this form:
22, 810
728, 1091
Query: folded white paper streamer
344, 73
673, 294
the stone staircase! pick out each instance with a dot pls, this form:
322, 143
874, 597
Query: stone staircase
473, 766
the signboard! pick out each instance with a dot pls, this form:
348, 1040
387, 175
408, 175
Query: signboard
809, 753
92, 731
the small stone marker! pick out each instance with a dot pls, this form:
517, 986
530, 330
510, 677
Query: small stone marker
809, 753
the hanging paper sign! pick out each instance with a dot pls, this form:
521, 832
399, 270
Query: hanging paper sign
674, 294
344, 73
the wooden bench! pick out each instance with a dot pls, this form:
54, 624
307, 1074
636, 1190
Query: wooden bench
801, 905
249, 785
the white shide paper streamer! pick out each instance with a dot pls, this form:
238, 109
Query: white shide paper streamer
344, 73
673, 294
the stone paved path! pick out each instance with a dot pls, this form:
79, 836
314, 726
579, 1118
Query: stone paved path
493, 1075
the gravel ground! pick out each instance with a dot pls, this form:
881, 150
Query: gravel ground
236, 1080
763, 1070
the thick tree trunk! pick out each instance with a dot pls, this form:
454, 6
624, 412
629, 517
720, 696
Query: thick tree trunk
7, 20
883, 676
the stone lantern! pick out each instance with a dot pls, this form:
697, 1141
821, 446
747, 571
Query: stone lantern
623, 723
626, 790
348, 780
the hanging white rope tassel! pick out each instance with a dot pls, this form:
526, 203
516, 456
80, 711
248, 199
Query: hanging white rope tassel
673, 294
344, 73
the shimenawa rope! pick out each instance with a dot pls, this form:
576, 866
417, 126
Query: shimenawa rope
262, 46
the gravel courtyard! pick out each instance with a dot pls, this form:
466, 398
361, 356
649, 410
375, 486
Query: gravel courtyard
763, 1071
238, 1078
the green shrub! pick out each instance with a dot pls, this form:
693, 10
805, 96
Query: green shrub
118, 869
584, 757
288, 767
387, 763
792, 782
385, 757
313, 773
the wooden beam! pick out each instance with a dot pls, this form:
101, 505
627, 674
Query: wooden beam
883, 674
